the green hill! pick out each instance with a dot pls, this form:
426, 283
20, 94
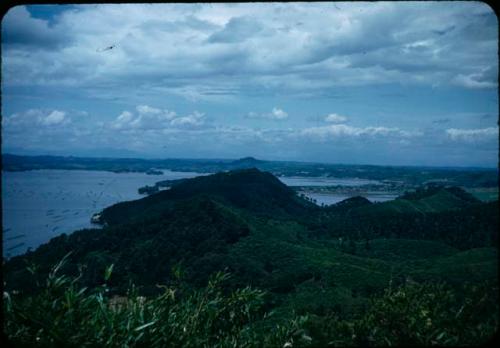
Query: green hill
321, 262
348, 204
249, 189
448, 215
427, 201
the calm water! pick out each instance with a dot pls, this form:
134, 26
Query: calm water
41, 204
325, 181
332, 198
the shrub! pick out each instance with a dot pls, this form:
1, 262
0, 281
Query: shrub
62, 314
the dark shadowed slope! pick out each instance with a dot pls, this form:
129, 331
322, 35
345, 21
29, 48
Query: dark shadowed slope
249, 189
450, 215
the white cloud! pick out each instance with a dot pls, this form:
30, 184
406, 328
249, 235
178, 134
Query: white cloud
191, 50
224, 55
278, 114
145, 109
473, 81
473, 135
35, 117
335, 118
151, 118
122, 120
196, 119
54, 118
342, 130
275, 114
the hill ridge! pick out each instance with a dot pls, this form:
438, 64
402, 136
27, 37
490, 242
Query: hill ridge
250, 189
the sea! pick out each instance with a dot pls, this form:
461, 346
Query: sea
38, 205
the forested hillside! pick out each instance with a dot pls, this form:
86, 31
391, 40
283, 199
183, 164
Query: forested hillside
421, 269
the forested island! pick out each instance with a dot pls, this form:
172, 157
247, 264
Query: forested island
238, 259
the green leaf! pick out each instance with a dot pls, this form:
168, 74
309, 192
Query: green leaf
108, 271
440, 335
142, 327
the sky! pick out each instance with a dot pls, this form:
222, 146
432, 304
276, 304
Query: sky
391, 83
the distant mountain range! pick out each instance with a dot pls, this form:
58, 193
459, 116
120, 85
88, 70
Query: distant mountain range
397, 175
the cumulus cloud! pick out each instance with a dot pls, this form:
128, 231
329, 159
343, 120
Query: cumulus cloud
146, 109
54, 118
278, 114
35, 117
473, 135
195, 120
225, 57
342, 130
276, 48
151, 118
238, 29
123, 120
275, 114
335, 118
190, 133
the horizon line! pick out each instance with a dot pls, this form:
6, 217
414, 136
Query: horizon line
262, 160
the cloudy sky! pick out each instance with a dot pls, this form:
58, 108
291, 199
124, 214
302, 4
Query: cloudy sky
367, 83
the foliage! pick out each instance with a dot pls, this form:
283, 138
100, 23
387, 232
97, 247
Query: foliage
249, 189
63, 314
441, 217
429, 314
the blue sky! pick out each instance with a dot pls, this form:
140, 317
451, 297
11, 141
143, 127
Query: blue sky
410, 83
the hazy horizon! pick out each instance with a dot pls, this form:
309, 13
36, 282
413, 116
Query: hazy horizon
383, 83
259, 159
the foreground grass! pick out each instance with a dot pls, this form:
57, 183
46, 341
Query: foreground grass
64, 314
